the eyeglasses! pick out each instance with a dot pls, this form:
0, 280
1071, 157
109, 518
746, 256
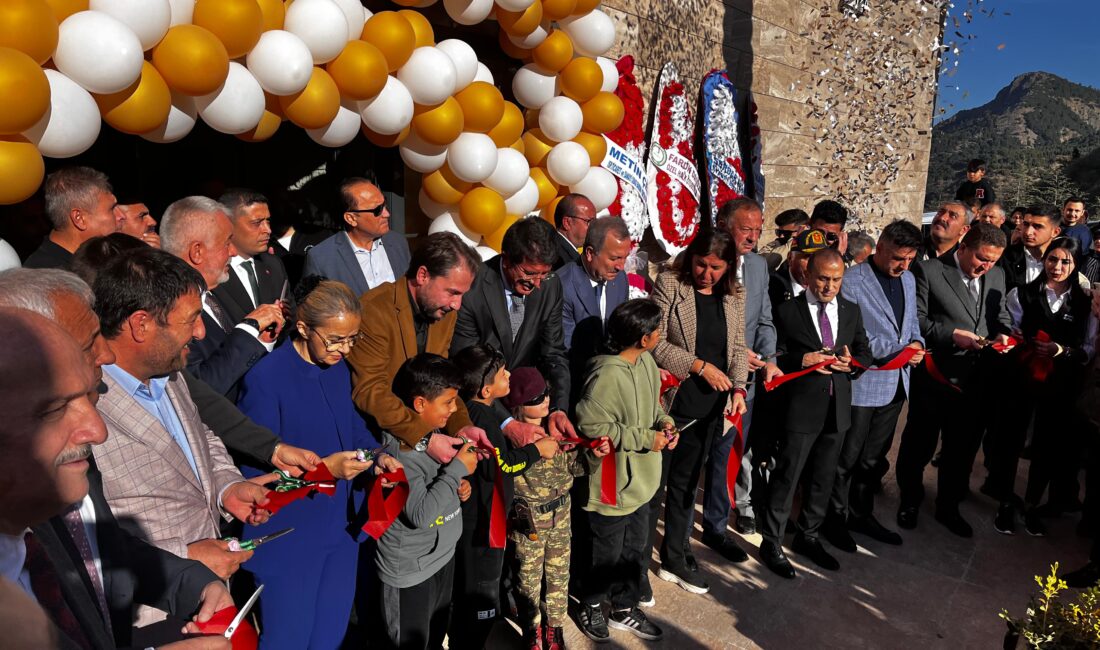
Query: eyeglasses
375, 211
332, 345
573, 216
535, 401
530, 275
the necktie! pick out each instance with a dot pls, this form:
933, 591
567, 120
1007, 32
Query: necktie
47, 590
515, 314
75, 524
251, 272
219, 314
599, 299
976, 291
826, 333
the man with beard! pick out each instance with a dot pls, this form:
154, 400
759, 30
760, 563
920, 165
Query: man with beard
256, 277
949, 225
136, 220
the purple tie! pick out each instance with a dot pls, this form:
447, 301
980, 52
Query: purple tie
826, 333
75, 524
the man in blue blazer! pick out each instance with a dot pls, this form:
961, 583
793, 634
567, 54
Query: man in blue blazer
886, 293
367, 253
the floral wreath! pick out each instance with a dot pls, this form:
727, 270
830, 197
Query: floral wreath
629, 202
725, 176
674, 207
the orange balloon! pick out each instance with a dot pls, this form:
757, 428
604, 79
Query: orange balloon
442, 186
316, 105
387, 140
530, 119
481, 210
594, 144
237, 23
407, 3
440, 124
557, 9
274, 13
585, 6
271, 105
494, 239
509, 128
554, 52
482, 105
360, 70
269, 124
548, 189
510, 48
602, 113
29, 26
547, 211
62, 9
192, 60
521, 23
519, 146
581, 79
425, 35
25, 90
21, 167
392, 35
536, 147
140, 108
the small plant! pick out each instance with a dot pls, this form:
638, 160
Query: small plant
1049, 623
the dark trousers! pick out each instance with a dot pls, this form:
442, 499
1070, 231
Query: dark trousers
1004, 443
817, 453
655, 509
476, 594
867, 440
618, 560
681, 486
413, 618
750, 481
1055, 456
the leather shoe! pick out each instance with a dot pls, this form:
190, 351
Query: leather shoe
1084, 577
907, 517
954, 522
811, 547
836, 532
871, 527
745, 525
726, 547
774, 558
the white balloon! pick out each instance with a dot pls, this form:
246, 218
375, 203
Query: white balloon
468, 12
599, 185
71, 123
524, 201
367, 13
422, 156
341, 130
534, 86
429, 75
321, 25
473, 157
592, 34
464, 59
390, 111
433, 209
515, 5
486, 253
237, 106
181, 119
610, 74
561, 119
484, 74
182, 11
529, 41
281, 62
353, 13
98, 52
567, 163
511, 174
149, 19
449, 222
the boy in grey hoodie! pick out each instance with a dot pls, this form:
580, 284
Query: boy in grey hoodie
414, 559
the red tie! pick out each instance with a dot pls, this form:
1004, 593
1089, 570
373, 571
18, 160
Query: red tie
47, 589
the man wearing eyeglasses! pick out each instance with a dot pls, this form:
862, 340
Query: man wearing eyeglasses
571, 219
367, 253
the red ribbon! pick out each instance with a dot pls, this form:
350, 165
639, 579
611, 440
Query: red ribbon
737, 452
1040, 367
325, 483
608, 476
668, 381
896, 363
244, 638
498, 517
383, 509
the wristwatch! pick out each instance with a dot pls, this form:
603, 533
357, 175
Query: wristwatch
251, 322
422, 444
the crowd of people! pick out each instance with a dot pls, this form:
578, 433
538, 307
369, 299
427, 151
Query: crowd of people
500, 439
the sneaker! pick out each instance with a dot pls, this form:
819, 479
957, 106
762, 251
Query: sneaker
634, 621
554, 638
690, 580
647, 601
1034, 525
1005, 521
645, 597
592, 624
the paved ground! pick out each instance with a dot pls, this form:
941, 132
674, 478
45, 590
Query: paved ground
934, 591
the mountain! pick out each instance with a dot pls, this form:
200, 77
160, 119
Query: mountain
1031, 135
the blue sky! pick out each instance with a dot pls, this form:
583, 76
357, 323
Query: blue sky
1057, 36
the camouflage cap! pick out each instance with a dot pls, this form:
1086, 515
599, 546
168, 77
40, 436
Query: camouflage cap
810, 241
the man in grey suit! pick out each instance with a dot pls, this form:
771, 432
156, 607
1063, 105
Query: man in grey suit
367, 253
961, 308
886, 293
744, 220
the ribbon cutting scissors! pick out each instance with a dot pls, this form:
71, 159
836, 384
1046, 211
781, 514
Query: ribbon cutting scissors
237, 545
286, 482
235, 623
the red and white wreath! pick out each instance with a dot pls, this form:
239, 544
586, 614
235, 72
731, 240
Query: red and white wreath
674, 185
625, 152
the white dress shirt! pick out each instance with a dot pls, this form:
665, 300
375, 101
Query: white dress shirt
87, 515
1055, 300
374, 262
832, 312
236, 263
796, 288
1033, 266
973, 285
603, 298
13, 557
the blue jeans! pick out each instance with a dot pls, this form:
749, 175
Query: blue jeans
716, 501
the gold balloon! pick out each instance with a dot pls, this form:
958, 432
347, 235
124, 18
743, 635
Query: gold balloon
25, 91
29, 26
62, 9
442, 186
21, 167
494, 239
585, 6
440, 124
481, 210
140, 108
554, 52
530, 119
557, 9
269, 124
407, 3
519, 146
360, 71
510, 48
386, 140
274, 13
192, 60
237, 23
509, 128
482, 105
547, 211
271, 105
536, 147
602, 113
594, 144
521, 23
581, 79
425, 36
391, 33
315, 105
548, 189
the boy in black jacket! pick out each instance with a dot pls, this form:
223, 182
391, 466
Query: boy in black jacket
976, 188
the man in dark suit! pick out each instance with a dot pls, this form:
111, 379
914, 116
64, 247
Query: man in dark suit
818, 326
198, 231
256, 277
573, 216
961, 309
951, 222
789, 280
80, 205
367, 253
1023, 262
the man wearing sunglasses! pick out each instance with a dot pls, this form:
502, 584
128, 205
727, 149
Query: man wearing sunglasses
788, 224
367, 253
572, 217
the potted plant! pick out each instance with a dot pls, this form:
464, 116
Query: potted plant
1050, 623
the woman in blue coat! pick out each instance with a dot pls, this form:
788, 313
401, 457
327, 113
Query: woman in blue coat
302, 392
